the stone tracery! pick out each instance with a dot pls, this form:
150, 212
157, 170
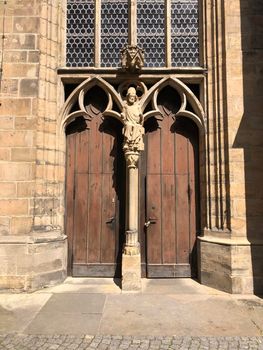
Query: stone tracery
147, 96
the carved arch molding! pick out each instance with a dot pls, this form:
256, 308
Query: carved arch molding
189, 105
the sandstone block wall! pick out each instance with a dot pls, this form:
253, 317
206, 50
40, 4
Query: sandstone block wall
231, 254
249, 136
18, 115
30, 192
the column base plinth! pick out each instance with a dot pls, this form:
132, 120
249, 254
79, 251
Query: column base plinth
131, 250
131, 273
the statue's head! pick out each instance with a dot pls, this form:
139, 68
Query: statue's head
131, 95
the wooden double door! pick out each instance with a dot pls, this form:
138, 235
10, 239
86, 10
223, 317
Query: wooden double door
96, 197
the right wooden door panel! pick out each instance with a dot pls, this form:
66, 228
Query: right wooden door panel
171, 198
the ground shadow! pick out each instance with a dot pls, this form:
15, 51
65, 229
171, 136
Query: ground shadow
114, 128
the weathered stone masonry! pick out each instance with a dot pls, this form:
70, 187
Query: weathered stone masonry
231, 249
32, 244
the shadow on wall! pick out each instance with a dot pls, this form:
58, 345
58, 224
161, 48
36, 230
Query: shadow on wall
250, 133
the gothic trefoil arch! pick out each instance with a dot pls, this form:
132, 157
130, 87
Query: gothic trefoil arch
149, 96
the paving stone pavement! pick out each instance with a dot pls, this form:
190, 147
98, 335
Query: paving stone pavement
70, 342
60, 317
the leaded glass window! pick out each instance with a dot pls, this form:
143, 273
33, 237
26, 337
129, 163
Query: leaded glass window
114, 31
80, 33
151, 31
98, 29
184, 31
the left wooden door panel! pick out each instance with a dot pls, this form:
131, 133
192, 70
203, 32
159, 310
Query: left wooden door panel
95, 198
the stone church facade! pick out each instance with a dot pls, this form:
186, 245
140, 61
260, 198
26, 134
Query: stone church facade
146, 166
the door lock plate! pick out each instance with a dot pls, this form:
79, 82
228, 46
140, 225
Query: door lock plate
150, 222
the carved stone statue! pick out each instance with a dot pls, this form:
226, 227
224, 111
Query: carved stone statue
133, 129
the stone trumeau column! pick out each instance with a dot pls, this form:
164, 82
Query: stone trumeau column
133, 131
32, 244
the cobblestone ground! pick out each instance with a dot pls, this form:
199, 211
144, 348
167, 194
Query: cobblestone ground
63, 342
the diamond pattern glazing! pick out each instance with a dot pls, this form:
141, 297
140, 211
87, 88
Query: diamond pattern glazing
114, 31
80, 33
185, 41
151, 31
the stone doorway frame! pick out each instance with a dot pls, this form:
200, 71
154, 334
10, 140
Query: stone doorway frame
131, 259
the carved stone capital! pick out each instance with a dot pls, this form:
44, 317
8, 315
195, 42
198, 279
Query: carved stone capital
132, 159
132, 58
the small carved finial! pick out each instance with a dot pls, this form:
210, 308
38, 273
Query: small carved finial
132, 58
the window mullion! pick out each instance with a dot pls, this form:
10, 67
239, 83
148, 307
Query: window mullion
97, 33
168, 36
133, 22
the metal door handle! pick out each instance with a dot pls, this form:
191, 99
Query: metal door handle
110, 220
150, 222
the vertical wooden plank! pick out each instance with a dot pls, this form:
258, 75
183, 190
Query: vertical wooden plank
154, 237
192, 194
94, 224
80, 218
109, 151
81, 197
182, 202
181, 153
168, 219
154, 152
153, 198
167, 146
108, 225
108, 228
80, 206
168, 192
69, 217
95, 192
95, 148
83, 152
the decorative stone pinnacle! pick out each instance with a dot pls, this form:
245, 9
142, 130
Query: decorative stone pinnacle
132, 58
